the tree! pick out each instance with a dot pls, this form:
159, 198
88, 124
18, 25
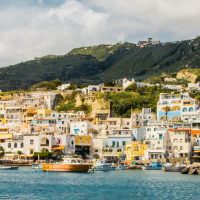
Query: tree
2, 153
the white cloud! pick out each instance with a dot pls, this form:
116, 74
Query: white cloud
35, 30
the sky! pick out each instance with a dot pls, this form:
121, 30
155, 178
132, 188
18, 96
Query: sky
34, 28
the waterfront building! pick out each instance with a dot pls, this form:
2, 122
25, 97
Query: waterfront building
179, 142
195, 145
135, 150
48, 142
156, 139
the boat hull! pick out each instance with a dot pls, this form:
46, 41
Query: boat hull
51, 167
103, 168
173, 169
8, 168
151, 168
134, 167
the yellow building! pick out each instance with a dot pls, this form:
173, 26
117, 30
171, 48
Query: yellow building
135, 150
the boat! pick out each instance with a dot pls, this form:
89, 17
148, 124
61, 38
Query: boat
153, 166
8, 167
134, 165
173, 168
122, 167
67, 165
36, 166
103, 165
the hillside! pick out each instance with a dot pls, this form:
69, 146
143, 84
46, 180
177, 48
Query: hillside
103, 63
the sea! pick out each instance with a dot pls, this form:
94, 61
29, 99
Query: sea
29, 184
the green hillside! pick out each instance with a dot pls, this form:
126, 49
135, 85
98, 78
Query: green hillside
103, 63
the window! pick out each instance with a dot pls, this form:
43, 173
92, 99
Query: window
181, 148
117, 144
31, 141
113, 143
9, 145
184, 109
175, 148
191, 109
31, 151
123, 143
175, 141
22, 145
160, 136
15, 145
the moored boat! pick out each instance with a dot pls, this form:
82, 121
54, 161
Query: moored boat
173, 168
8, 167
67, 165
153, 166
103, 165
134, 165
36, 166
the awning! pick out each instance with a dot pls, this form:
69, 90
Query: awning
58, 147
5, 136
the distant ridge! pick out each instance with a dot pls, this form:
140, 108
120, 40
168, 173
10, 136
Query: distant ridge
103, 63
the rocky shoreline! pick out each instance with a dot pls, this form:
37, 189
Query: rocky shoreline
193, 169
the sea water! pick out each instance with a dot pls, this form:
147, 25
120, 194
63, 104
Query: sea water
28, 184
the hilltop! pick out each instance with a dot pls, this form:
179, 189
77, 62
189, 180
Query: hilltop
103, 63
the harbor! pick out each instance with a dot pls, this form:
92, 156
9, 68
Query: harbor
27, 183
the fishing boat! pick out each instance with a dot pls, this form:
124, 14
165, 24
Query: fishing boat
103, 165
67, 165
173, 168
153, 166
8, 167
134, 165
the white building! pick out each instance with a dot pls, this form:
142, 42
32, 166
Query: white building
124, 82
194, 86
174, 107
80, 128
63, 87
156, 139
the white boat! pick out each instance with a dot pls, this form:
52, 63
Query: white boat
8, 167
103, 165
36, 166
173, 168
153, 166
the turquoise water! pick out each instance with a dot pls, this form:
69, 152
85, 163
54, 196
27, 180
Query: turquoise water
27, 184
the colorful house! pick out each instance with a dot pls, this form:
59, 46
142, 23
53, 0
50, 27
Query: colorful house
135, 150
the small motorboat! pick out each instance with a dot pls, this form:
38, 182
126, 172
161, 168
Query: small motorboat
153, 166
8, 167
36, 166
103, 165
173, 168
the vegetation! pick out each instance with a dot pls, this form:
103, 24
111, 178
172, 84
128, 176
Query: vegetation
44, 155
2, 152
70, 104
122, 103
103, 63
48, 85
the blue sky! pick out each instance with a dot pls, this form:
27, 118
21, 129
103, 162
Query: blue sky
34, 28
